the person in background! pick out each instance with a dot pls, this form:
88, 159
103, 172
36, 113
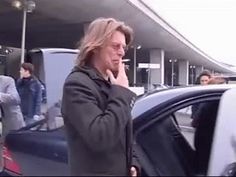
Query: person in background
96, 104
11, 116
30, 91
202, 79
205, 130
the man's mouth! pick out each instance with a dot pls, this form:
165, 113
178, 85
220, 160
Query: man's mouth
116, 61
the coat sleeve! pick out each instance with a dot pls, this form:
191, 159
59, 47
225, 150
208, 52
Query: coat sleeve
100, 129
10, 96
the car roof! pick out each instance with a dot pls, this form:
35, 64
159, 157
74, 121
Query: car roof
148, 101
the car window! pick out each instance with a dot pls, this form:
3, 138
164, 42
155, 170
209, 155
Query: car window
162, 142
177, 138
184, 121
200, 131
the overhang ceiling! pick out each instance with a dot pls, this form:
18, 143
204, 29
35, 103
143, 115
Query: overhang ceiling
60, 23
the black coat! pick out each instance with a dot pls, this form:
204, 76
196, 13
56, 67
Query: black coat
96, 115
204, 134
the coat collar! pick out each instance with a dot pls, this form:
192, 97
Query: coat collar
92, 72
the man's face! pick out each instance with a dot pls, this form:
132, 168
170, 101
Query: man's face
112, 52
204, 80
24, 73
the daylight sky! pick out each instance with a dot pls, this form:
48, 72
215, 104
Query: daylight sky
208, 24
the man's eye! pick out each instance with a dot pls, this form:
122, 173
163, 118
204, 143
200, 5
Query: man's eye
118, 46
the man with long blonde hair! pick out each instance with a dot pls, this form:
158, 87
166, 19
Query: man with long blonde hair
97, 103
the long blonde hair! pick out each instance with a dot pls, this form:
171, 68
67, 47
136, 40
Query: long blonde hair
97, 33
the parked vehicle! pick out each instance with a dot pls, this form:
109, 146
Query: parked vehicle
162, 131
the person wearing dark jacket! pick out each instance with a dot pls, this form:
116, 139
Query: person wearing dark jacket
204, 135
96, 103
30, 91
207, 115
202, 79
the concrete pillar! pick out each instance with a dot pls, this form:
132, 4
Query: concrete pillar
157, 74
198, 70
183, 72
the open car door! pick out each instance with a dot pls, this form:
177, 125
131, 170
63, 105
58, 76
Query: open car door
223, 155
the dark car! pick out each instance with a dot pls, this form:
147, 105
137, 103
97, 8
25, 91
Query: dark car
162, 130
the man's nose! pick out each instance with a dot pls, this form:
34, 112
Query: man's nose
121, 51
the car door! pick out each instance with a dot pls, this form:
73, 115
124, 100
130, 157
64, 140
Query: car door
165, 143
223, 155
